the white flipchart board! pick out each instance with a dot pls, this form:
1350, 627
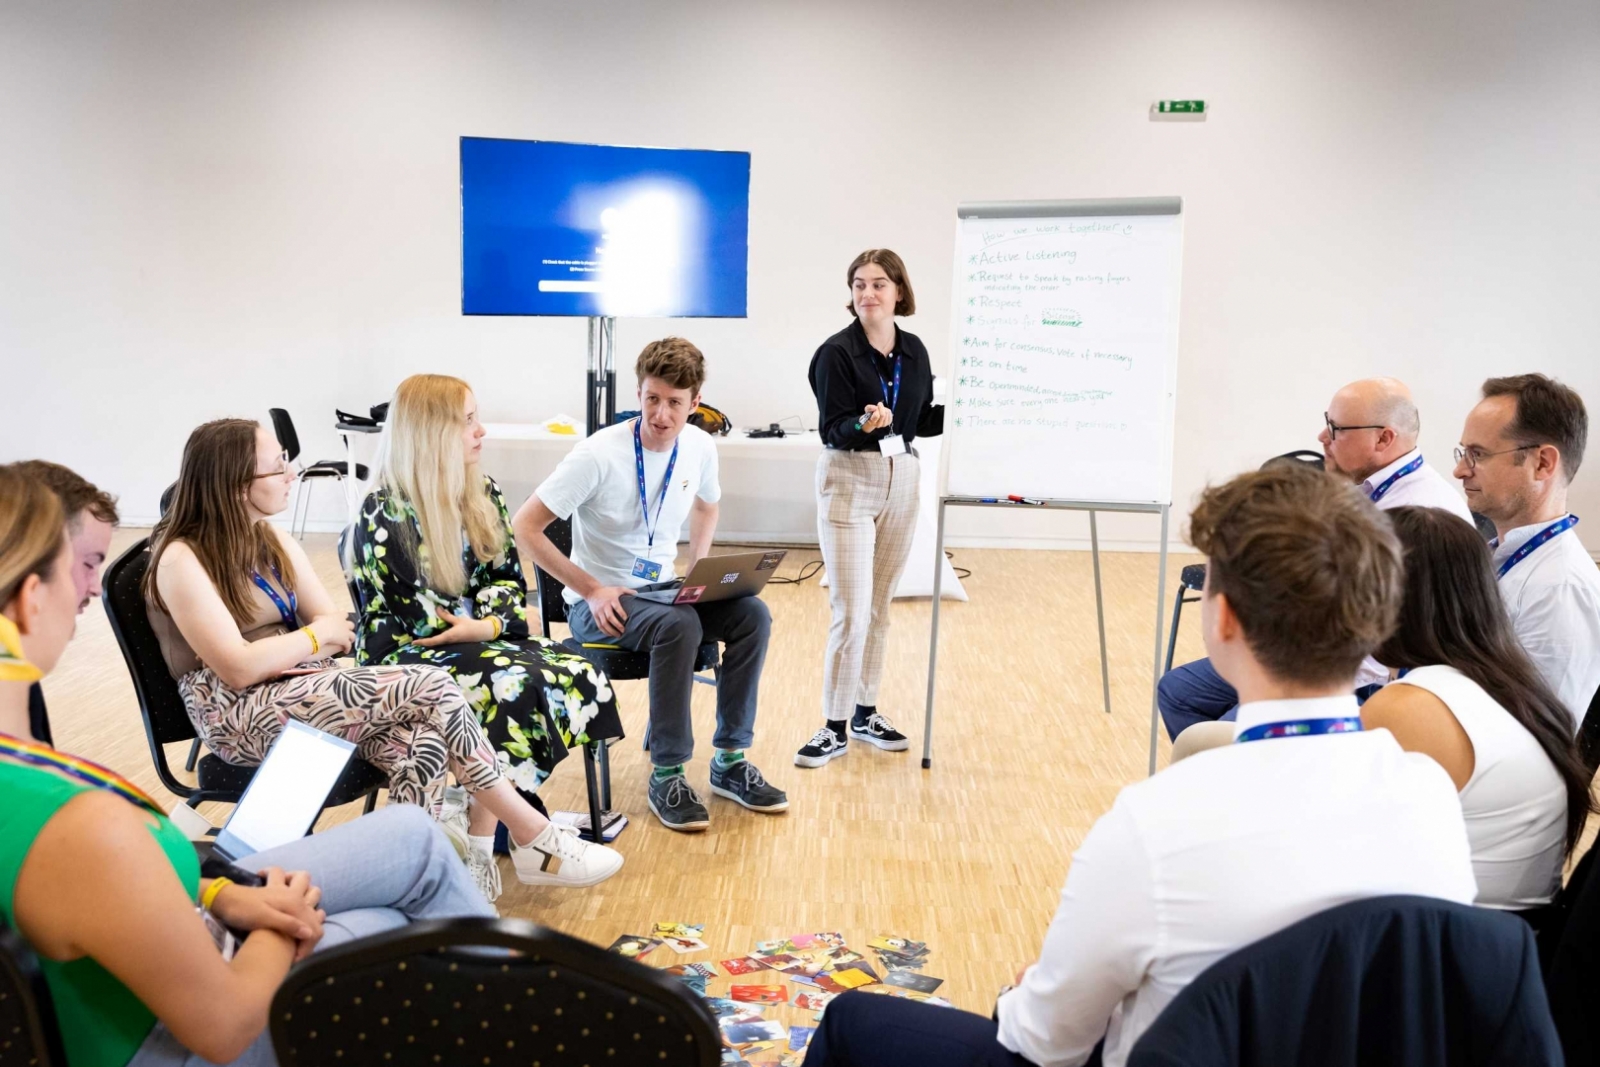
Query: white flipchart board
1065, 350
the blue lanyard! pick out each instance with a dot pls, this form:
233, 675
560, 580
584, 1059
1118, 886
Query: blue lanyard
1555, 529
1300, 728
1388, 483
285, 611
888, 397
644, 501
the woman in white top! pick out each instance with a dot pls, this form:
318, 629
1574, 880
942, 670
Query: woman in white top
1471, 699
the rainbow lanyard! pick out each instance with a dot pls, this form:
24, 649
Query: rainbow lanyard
81, 769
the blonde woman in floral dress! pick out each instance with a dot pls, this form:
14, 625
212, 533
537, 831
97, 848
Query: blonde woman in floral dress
464, 609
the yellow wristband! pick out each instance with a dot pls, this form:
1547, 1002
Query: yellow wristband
316, 646
209, 897
498, 627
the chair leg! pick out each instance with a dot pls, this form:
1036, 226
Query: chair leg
306, 488
604, 756
1172, 638
372, 802
591, 781
194, 756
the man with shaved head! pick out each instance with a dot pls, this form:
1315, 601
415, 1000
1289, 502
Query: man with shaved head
1369, 435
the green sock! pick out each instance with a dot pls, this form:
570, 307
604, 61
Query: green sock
724, 760
662, 773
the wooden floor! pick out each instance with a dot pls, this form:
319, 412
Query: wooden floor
969, 856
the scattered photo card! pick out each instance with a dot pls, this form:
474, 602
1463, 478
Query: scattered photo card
704, 970
694, 979
694, 930
807, 1000
859, 965
682, 945
745, 1033
849, 978
800, 1037
773, 948
922, 983
759, 994
722, 1006
900, 960
899, 944
743, 965
782, 961
634, 946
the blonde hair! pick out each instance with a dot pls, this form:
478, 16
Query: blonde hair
421, 460
33, 530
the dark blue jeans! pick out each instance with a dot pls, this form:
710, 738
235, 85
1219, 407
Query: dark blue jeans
1193, 693
872, 1030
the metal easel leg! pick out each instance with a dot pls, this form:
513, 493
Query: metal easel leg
1100, 610
933, 641
1161, 611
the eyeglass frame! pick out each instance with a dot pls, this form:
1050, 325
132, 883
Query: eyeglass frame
1467, 456
289, 467
1334, 428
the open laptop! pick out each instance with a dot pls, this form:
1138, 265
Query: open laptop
287, 793
717, 578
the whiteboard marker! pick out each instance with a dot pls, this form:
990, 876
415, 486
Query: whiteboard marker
1024, 500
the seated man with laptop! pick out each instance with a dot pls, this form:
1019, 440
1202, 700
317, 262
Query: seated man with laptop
628, 489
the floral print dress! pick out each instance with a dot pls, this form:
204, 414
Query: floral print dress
535, 699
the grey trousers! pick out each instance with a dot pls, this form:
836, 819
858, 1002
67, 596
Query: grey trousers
672, 634
377, 873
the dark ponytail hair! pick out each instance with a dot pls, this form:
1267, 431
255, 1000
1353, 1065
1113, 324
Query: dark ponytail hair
1452, 615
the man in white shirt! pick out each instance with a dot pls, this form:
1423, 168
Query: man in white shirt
1369, 436
628, 489
1304, 812
1520, 449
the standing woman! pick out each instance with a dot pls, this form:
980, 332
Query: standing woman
874, 389
462, 607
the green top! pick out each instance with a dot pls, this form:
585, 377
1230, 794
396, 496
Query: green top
102, 1022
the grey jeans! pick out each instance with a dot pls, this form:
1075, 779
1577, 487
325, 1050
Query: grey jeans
672, 634
377, 873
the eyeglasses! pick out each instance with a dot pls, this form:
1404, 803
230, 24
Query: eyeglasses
284, 467
1334, 429
1473, 456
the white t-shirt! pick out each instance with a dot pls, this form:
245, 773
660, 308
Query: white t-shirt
1553, 598
597, 485
1219, 851
1515, 803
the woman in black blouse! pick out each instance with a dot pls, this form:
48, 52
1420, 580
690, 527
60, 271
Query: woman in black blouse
874, 389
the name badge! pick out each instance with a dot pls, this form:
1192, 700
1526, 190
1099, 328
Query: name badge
648, 569
893, 445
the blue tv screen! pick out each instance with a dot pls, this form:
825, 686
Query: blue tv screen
549, 228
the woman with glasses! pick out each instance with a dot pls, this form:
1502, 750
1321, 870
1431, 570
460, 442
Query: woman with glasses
460, 606
250, 634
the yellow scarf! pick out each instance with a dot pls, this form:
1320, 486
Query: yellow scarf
14, 666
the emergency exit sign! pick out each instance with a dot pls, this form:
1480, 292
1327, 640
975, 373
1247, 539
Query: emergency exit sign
1180, 107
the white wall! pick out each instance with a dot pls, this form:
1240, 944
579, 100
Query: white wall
213, 208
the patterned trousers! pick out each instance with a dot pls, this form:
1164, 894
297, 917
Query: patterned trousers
412, 723
866, 515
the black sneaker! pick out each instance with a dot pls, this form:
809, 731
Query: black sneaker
823, 746
879, 731
744, 785
676, 804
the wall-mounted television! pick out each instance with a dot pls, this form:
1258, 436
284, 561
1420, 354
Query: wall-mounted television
551, 228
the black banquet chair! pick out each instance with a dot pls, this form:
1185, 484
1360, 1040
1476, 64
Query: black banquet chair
337, 469
29, 1033
166, 720
1193, 578
499, 992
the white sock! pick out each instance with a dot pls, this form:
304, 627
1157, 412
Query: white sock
484, 846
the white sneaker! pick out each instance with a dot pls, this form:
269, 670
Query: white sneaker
485, 873
555, 858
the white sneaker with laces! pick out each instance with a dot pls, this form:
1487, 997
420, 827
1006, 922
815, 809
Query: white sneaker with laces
555, 858
485, 873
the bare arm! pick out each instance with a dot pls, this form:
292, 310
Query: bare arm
1421, 722
97, 884
605, 602
702, 529
208, 626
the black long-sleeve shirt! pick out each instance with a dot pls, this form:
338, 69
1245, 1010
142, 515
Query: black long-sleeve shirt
847, 374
